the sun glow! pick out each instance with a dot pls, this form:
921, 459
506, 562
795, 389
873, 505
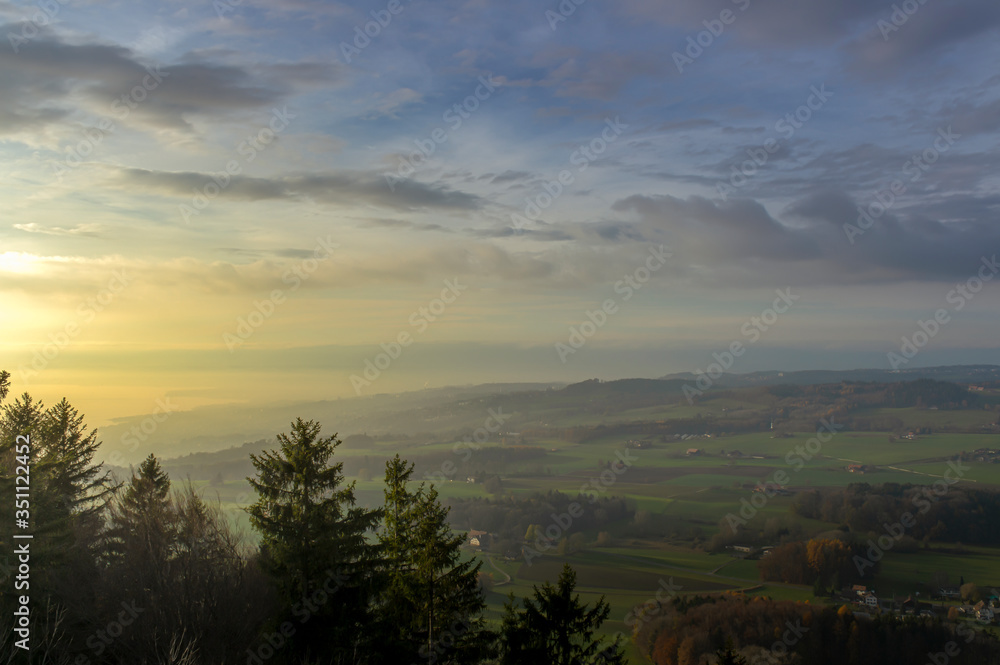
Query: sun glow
18, 262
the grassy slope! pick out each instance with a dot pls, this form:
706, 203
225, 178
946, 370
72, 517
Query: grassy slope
697, 492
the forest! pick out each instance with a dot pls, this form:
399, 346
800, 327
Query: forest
140, 572
940, 511
684, 630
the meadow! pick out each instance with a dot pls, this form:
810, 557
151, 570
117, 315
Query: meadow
686, 486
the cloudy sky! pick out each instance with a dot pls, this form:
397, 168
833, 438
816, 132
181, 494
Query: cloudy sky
231, 200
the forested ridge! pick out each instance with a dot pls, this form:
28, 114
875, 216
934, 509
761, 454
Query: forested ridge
143, 571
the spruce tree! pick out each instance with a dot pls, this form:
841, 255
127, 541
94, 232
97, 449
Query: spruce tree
68, 493
432, 603
142, 525
69, 449
555, 628
67, 489
313, 542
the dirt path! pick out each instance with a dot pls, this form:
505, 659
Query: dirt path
494, 567
921, 473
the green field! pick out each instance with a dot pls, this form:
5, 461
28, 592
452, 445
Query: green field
904, 573
688, 495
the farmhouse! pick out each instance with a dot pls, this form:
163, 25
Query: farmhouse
984, 613
480, 539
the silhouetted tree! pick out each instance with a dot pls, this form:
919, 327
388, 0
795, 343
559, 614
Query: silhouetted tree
185, 580
66, 496
555, 628
432, 604
313, 540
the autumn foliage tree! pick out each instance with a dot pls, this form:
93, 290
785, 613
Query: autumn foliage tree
820, 561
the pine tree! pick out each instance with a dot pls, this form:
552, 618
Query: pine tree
311, 532
432, 604
69, 449
68, 490
67, 495
149, 490
18, 425
174, 556
555, 628
142, 525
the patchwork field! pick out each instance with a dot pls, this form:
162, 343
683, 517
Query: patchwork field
680, 490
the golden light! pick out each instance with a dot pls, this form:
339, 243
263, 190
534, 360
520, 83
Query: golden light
18, 262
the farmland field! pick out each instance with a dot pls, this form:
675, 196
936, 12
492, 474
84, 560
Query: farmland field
682, 493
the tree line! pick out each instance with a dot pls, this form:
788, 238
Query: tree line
141, 572
942, 511
742, 629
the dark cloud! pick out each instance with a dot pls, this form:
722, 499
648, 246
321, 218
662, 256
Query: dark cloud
888, 46
511, 176
972, 118
742, 241
769, 23
406, 224
828, 207
43, 82
755, 153
342, 188
542, 235
738, 229
617, 231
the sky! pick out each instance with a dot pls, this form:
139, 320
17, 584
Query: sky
249, 200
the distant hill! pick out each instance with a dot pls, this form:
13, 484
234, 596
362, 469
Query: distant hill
456, 410
954, 373
222, 426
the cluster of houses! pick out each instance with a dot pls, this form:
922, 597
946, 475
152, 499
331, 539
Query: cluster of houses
861, 595
983, 612
865, 600
860, 468
989, 455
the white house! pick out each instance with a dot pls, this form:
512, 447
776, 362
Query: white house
479, 539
